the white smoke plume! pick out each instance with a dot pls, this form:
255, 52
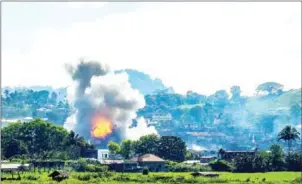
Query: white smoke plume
141, 129
96, 90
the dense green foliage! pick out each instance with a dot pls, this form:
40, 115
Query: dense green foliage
221, 165
114, 147
30, 103
83, 165
41, 140
166, 147
264, 161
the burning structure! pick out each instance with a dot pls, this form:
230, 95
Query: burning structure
105, 105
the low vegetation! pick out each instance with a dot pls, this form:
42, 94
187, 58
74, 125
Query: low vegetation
160, 178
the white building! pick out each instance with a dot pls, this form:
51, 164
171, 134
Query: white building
103, 154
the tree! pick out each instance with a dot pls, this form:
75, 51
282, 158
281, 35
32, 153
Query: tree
114, 147
288, 134
147, 144
172, 148
14, 147
235, 90
221, 165
127, 148
294, 162
53, 97
270, 87
244, 163
40, 139
221, 98
276, 157
6, 93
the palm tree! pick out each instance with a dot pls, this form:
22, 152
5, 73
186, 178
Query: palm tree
288, 134
76, 142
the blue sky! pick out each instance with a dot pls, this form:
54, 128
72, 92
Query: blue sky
190, 46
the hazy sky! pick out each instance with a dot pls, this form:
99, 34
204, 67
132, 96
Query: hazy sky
190, 46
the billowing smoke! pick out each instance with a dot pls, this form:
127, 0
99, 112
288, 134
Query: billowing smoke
101, 96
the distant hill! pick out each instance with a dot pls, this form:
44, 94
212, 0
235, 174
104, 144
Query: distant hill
144, 83
138, 80
264, 104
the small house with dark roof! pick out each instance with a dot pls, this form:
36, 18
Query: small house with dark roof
59, 175
127, 166
152, 162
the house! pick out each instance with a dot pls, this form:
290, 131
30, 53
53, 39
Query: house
104, 154
231, 155
152, 162
125, 166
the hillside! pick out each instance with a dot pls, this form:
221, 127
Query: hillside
143, 82
264, 104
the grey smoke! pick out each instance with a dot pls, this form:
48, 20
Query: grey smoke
96, 90
83, 73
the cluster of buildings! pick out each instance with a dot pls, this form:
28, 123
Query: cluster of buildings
135, 164
157, 164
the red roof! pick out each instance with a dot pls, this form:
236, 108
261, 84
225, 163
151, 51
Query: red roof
147, 158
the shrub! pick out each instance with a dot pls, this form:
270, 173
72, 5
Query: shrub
221, 165
84, 177
145, 171
297, 180
248, 179
32, 177
181, 167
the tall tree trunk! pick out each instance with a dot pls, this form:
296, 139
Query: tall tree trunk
289, 145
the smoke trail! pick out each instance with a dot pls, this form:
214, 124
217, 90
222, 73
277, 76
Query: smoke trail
96, 90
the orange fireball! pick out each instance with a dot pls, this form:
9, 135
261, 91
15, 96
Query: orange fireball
101, 127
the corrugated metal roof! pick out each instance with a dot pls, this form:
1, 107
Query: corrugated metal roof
147, 158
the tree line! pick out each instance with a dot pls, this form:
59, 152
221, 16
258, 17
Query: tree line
272, 160
167, 147
41, 140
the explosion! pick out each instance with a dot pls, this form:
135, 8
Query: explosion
101, 127
104, 104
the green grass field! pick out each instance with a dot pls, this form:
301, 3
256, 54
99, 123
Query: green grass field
160, 178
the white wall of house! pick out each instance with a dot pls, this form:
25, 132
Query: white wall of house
103, 154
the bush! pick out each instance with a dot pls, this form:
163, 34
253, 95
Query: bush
84, 177
181, 167
145, 171
297, 180
31, 177
221, 165
88, 166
